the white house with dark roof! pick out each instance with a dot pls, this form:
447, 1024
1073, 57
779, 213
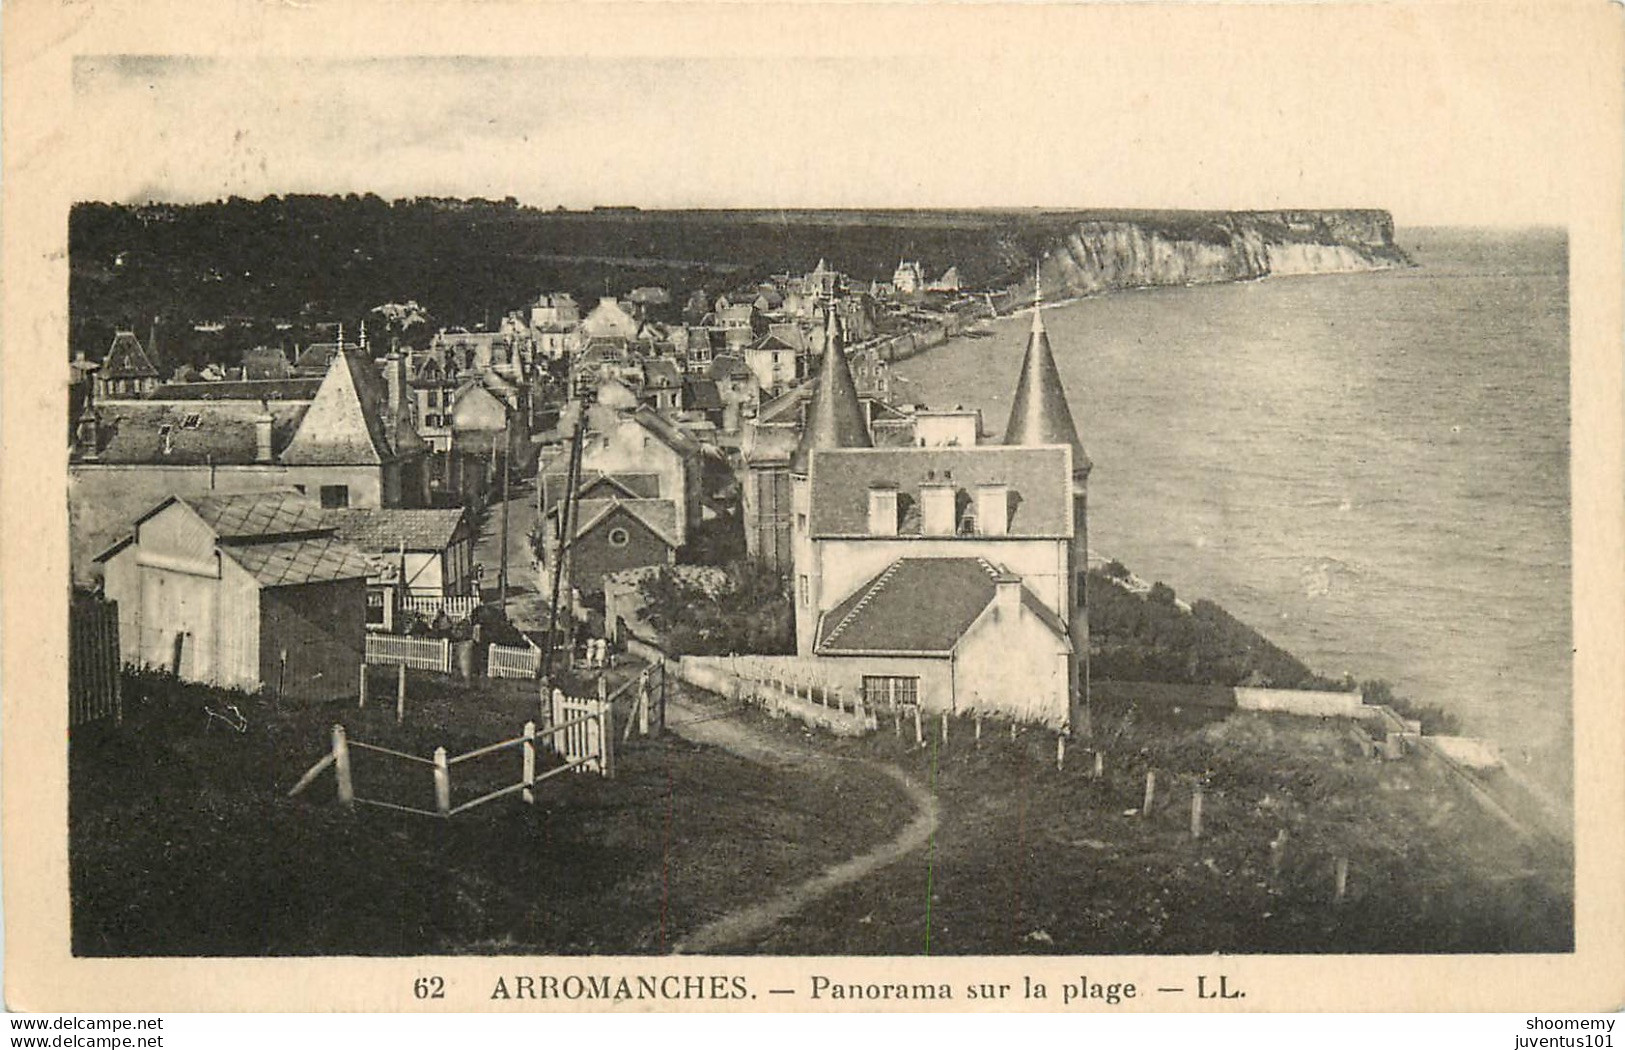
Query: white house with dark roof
951, 574
941, 631
245, 592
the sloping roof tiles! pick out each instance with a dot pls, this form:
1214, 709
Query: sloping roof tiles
221, 432
294, 562
1038, 479
258, 515
126, 360
388, 528
915, 605
920, 606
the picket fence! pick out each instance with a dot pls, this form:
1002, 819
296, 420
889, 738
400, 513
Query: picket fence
459, 608
423, 654
511, 661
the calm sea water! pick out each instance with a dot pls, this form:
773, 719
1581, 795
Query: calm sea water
1371, 469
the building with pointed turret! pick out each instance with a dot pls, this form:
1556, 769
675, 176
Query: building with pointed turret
948, 575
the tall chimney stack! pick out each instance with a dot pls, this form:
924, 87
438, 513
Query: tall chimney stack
262, 435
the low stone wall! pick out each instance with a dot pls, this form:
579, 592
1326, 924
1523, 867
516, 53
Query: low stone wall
717, 674
1301, 702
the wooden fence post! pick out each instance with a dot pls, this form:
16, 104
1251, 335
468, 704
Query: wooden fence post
529, 769
442, 783
978, 729
363, 691
944, 727
400, 693
1150, 792
643, 705
1196, 812
665, 672
606, 728
897, 720
1012, 732
341, 767
1340, 876
919, 732
1060, 752
1277, 854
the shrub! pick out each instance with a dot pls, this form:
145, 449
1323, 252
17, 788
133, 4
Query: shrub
1436, 721
749, 613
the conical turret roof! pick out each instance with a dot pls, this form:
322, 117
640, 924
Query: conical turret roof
834, 415
1039, 415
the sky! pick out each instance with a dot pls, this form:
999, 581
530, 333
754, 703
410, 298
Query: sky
1437, 133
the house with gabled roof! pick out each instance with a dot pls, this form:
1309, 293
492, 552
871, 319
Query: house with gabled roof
662, 385
356, 445
126, 371
942, 631
611, 533
776, 357
352, 443
244, 592
416, 554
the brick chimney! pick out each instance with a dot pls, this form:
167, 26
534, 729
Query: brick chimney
1007, 596
262, 436
992, 509
937, 508
883, 510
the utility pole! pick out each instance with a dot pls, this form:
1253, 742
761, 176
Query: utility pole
502, 573
566, 535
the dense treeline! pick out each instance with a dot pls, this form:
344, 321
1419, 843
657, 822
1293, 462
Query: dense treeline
285, 270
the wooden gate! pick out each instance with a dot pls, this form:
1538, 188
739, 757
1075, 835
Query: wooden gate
582, 733
511, 661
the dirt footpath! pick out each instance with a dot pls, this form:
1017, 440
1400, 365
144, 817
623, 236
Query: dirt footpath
711, 725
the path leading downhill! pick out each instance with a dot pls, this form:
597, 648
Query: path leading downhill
702, 725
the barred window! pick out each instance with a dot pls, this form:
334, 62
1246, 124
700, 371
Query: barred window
890, 690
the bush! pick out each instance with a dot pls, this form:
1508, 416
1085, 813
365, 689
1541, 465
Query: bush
1436, 721
749, 613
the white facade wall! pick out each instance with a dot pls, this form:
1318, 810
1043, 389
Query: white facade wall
171, 583
939, 429
1031, 689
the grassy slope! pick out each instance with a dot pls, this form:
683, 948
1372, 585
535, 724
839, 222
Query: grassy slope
1031, 860
183, 842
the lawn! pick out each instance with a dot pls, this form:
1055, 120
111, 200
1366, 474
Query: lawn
183, 840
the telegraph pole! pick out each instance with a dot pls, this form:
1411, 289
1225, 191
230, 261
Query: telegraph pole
502, 573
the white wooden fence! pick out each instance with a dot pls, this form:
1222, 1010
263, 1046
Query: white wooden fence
510, 661
460, 608
423, 654
583, 732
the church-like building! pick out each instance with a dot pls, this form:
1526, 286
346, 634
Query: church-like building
948, 575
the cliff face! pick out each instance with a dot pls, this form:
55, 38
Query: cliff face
1101, 255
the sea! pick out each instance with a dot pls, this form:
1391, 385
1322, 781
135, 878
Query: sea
1372, 469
